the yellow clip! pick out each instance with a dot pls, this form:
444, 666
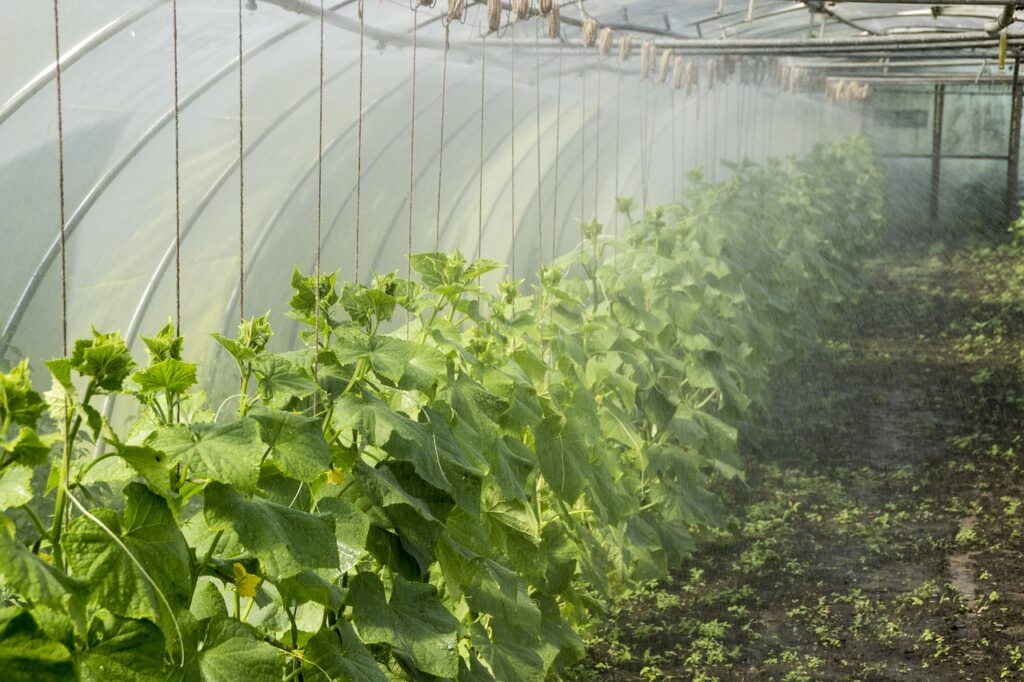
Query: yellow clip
1002, 49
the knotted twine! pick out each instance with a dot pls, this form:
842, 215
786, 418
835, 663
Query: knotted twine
604, 42
554, 22
646, 59
589, 32
521, 8
677, 73
456, 10
625, 47
493, 15
666, 59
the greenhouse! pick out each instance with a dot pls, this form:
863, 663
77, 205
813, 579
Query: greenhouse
537, 340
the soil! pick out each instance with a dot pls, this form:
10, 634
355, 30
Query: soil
880, 531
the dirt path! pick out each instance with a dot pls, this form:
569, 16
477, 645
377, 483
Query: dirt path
881, 533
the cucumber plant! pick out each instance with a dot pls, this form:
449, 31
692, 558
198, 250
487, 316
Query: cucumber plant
446, 500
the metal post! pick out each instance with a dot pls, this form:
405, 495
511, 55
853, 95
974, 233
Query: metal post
940, 96
1013, 155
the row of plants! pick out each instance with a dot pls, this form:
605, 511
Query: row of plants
445, 500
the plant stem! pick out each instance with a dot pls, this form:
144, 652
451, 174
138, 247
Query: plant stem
60, 506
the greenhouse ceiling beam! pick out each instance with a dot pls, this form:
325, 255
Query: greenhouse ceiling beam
853, 42
77, 51
968, 3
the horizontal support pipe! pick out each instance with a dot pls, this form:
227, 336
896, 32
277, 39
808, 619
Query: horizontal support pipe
887, 41
968, 157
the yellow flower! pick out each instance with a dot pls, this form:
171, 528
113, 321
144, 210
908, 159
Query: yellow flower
245, 582
334, 476
47, 557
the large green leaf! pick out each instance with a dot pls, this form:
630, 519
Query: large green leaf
338, 655
27, 654
286, 541
563, 458
412, 622
30, 577
171, 375
228, 453
122, 649
230, 651
297, 444
141, 566
15, 486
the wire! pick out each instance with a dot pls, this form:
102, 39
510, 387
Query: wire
440, 146
359, 140
412, 160
319, 211
60, 181
241, 173
480, 175
177, 172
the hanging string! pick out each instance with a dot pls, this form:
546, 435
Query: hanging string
540, 211
440, 146
177, 172
644, 106
60, 182
512, 59
618, 136
597, 140
359, 139
412, 159
558, 150
319, 212
480, 175
241, 173
675, 175
583, 139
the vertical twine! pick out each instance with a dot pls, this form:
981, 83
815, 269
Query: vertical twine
480, 175
177, 172
540, 211
60, 182
618, 136
512, 72
597, 141
412, 159
583, 140
675, 175
440, 145
359, 139
319, 211
558, 151
241, 173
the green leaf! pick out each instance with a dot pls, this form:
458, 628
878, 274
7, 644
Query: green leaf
170, 375
30, 448
105, 358
563, 458
280, 379
230, 651
122, 649
150, 533
297, 444
15, 486
340, 653
412, 622
166, 345
510, 654
19, 404
286, 541
228, 453
27, 654
30, 577
152, 464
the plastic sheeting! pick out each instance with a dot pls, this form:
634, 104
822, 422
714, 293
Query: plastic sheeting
608, 130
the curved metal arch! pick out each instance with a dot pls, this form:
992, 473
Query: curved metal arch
101, 185
71, 56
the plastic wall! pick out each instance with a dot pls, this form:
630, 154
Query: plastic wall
587, 131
